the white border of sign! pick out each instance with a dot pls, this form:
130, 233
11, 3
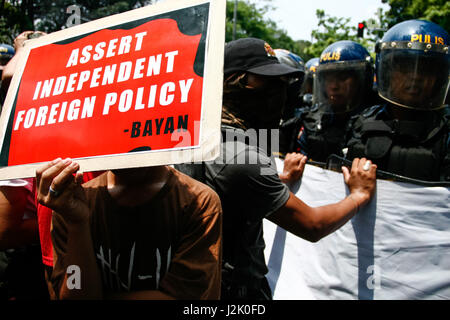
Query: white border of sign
210, 135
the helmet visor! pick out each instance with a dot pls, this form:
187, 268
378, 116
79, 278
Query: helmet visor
340, 87
307, 86
413, 78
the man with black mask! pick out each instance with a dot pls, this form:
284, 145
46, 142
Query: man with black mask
246, 179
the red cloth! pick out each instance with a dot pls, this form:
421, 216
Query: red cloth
44, 216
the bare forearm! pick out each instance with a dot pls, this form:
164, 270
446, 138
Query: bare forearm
331, 217
315, 223
310, 223
76, 274
80, 258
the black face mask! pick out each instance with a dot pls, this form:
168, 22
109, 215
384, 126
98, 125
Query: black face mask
259, 108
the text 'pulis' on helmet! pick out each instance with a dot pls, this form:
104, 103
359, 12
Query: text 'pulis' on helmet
311, 65
412, 65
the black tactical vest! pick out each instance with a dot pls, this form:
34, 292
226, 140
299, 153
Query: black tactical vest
323, 135
408, 148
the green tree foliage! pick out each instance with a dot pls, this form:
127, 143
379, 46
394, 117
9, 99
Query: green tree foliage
332, 29
377, 26
52, 16
302, 49
14, 17
437, 11
250, 22
49, 15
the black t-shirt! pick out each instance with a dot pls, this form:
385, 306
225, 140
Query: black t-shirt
247, 182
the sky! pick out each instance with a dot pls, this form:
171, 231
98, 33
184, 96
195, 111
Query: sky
298, 17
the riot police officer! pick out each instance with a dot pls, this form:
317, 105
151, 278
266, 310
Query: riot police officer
308, 84
409, 133
343, 82
293, 99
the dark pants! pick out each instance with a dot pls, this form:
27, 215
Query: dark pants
22, 274
248, 289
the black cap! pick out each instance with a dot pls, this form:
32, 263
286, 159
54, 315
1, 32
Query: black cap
255, 56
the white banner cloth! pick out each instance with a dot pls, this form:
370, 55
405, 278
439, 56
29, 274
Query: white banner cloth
397, 247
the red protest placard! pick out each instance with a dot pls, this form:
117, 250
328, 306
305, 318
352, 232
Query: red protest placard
133, 86
114, 91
